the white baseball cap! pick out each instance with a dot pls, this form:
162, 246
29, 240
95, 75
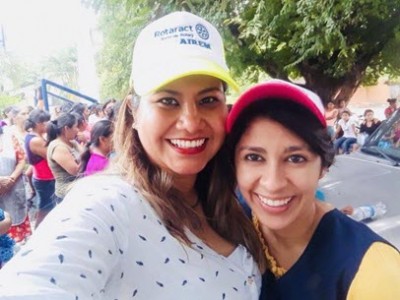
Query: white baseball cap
177, 45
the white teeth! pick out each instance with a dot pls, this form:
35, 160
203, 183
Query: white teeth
188, 144
275, 202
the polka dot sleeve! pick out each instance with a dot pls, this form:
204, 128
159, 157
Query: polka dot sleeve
74, 250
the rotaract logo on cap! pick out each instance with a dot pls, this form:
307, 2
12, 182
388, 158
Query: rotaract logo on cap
202, 31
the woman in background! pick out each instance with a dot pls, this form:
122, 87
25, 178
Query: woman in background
12, 188
370, 124
36, 151
95, 156
63, 152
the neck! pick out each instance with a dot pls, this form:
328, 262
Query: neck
185, 184
97, 150
299, 233
20, 129
65, 140
34, 131
287, 245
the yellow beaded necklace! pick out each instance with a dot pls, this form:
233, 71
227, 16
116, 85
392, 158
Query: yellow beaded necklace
273, 265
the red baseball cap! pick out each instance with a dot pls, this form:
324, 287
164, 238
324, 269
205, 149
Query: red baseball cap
277, 89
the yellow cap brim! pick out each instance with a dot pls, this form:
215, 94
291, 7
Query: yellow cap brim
164, 73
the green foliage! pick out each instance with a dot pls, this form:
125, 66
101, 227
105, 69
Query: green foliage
329, 43
6, 100
61, 67
334, 45
12, 69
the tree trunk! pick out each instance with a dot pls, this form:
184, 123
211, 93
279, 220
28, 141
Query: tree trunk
331, 89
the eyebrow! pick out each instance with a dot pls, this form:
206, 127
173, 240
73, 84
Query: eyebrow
297, 148
262, 150
252, 149
204, 91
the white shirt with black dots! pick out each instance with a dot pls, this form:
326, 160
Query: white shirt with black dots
104, 241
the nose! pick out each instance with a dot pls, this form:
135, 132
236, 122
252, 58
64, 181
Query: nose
273, 178
190, 118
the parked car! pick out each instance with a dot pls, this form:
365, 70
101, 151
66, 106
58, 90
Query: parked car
371, 175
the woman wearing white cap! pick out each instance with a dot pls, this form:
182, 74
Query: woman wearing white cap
313, 250
166, 225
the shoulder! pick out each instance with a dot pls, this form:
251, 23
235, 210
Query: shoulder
105, 193
102, 188
101, 200
378, 276
339, 232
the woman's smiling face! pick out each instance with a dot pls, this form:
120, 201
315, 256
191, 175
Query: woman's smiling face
181, 125
277, 173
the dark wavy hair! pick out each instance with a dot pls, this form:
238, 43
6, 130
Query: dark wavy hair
214, 185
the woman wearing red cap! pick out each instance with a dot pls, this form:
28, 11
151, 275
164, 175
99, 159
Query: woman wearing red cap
165, 223
280, 148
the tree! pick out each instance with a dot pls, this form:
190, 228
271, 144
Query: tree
61, 67
334, 45
16, 73
13, 71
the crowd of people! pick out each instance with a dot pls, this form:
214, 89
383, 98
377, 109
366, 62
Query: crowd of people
346, 129
40, 155
162, 220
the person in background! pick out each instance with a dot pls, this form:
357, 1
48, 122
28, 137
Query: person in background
164, 223
80, 109
391, 108
348, 126
95, 156
66, 107
83, 136
63, 152
6, 243
12, 189
36, 152
370, 124
56, 112
96, 114
108, 108
112, 116
331, 115
8, 116
314, 251
342, 106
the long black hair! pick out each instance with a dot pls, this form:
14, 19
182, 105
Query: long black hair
102, 128
56, 127
36, 116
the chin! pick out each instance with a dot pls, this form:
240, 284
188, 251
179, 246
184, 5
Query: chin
274, 223
188, 170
